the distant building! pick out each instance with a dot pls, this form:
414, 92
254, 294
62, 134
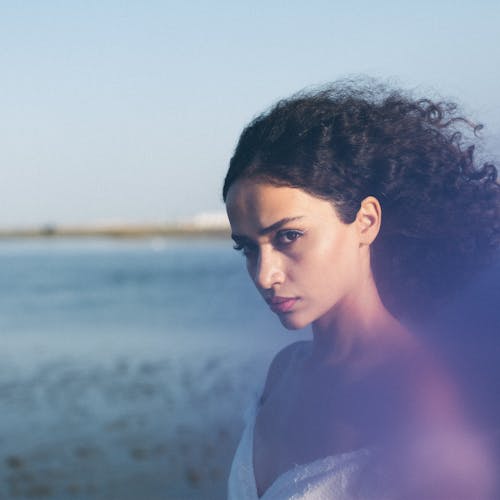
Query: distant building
208, 220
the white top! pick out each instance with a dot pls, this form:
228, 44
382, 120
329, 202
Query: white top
454, 459
336, 477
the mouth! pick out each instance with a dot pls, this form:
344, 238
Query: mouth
282, 304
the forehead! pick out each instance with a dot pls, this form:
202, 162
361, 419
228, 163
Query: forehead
252, 205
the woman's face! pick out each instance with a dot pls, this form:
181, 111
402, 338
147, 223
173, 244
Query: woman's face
304, 261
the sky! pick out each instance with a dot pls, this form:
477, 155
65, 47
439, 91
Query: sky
122, 111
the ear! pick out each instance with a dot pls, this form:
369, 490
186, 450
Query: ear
368, 220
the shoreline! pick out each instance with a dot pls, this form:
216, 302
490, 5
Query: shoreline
119, 231
126, 427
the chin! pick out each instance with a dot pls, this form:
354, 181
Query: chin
291, 323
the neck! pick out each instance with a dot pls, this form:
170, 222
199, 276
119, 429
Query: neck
348, 331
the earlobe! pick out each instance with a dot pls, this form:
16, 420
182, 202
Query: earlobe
368, 219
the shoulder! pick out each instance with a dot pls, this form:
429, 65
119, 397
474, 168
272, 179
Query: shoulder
435, 451
410, 390
434, 396
282, 363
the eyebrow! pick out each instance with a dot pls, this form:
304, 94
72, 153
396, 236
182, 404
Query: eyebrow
269, 229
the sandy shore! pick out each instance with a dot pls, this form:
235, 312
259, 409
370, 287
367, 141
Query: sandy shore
122, 426
118, 231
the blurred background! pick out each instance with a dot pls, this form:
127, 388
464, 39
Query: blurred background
130, 338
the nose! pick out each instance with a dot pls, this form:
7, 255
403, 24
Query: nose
267, 271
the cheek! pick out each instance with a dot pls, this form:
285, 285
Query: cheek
333, 264
251, 264
251, 271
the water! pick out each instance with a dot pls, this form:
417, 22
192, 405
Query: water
175, 289
125, 366
151, 285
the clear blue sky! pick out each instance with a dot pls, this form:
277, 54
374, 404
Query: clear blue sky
121, 110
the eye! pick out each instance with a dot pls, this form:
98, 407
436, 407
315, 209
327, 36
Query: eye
246, 248
288, 236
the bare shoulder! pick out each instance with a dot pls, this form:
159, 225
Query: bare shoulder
282, 362
431, 446
413, 390
432, 389
440, 446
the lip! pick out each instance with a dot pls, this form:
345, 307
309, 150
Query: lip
282, 304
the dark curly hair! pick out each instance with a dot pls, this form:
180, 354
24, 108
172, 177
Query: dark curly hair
349, 141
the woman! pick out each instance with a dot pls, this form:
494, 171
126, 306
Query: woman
354, 208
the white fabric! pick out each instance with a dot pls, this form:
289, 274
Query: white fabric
334, 478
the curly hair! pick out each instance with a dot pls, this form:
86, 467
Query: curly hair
346, 142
